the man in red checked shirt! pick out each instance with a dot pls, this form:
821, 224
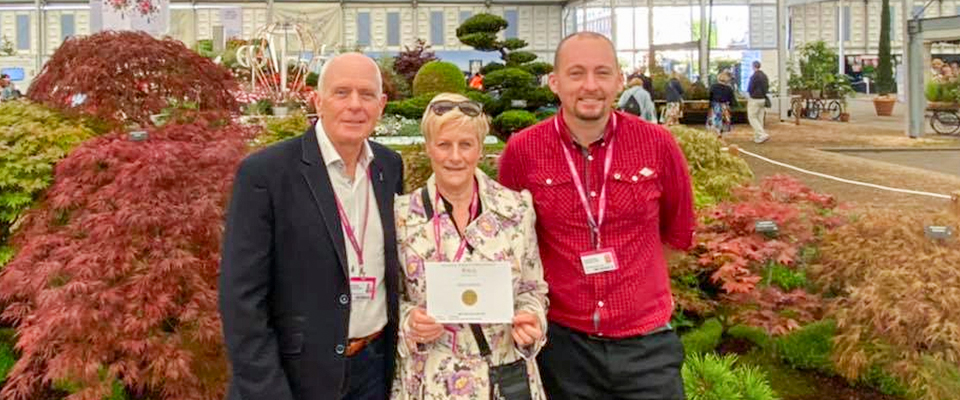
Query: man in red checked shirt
612, 193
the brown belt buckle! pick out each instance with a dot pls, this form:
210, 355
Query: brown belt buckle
354, 346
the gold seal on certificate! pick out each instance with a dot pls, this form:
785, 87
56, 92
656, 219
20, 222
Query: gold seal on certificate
469, 297
470, 292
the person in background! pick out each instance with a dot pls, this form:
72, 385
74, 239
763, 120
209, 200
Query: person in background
477, 82
7, 90
637, 101
758, 87
722, 98
673, 111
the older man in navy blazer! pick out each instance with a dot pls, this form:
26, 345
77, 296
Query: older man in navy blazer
309, 277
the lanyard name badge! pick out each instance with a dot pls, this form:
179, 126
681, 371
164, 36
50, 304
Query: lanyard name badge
598, 259
474, 204
361, 287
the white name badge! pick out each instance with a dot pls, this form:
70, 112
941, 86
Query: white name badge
363, 288
595, 262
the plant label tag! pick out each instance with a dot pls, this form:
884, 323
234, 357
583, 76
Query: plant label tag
767, 227
938, 232
602, 260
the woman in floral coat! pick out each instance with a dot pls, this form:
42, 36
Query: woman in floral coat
491, 223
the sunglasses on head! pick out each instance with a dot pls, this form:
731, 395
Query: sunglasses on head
469, 108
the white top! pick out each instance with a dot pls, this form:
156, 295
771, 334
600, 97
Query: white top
366, 316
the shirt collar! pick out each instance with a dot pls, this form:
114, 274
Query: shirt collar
608, 131
330, 154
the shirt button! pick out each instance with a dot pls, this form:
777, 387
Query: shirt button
590, 158
549, 181
344, 299
593, 193
340, 349
599, 333
600, 304
634, 178
616, 176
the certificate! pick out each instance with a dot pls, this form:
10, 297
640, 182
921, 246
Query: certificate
470, 292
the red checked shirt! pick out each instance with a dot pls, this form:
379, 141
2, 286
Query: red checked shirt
649, 203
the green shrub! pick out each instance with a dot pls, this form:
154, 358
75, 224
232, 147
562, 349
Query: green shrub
879, 379
411, 108
277, 129
757, 336
519, 57
544, 114
785, 277
703, 339
32, 139
809, 347
932, 91
8, 355
714, 171
480, 97
513, 121
439, 77
494, 66
508, 77
712, 377
538, 68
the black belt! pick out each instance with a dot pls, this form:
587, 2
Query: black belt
661, 329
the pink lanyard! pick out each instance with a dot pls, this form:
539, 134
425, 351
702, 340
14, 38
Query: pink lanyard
436, 224
608, 161
351, 234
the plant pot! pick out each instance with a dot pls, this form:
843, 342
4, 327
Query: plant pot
884, 105
844, 117
280, 111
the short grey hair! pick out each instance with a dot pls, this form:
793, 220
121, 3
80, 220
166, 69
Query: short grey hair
323, 72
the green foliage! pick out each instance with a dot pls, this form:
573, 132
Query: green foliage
885, 83
395, 85
482, 41
412, 108
818, 67
479, 97
8, 355
943, 91
508, 77
513, 121
32, 139
490, 67
938, 379
514, 44
713, 377
544, 114
439, 77
703, 339
752, 334
278, 129
6, 254
516, 58
714, 171
785, 277
810, 347
312, 79
481, 23
538, 68
879, 379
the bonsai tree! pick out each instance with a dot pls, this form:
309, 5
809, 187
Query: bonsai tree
514, 83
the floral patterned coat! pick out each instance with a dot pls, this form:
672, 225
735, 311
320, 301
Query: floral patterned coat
451, 367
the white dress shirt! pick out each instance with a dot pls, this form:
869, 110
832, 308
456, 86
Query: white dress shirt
367, 316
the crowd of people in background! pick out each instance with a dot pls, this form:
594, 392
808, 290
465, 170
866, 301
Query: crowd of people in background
8, 91
944, 72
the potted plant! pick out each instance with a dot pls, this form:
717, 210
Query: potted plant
883, 104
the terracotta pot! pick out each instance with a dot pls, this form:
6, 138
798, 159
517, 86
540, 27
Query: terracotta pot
884, 105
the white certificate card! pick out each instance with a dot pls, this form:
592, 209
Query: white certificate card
470, 293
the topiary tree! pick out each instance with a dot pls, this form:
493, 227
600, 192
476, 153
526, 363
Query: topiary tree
885, 82
512, 121
515, 82
126, 76
115, 281
439, 77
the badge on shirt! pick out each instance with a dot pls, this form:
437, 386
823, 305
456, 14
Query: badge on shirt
363, 288
598, 261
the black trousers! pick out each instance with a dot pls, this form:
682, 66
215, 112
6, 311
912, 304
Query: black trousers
366, 373
575, 366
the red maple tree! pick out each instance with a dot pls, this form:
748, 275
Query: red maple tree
127, 76
115, 279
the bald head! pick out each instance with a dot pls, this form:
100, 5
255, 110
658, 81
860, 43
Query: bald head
350, 64
585, 36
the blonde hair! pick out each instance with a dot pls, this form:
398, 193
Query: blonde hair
433, 123
634, 82
724, 77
